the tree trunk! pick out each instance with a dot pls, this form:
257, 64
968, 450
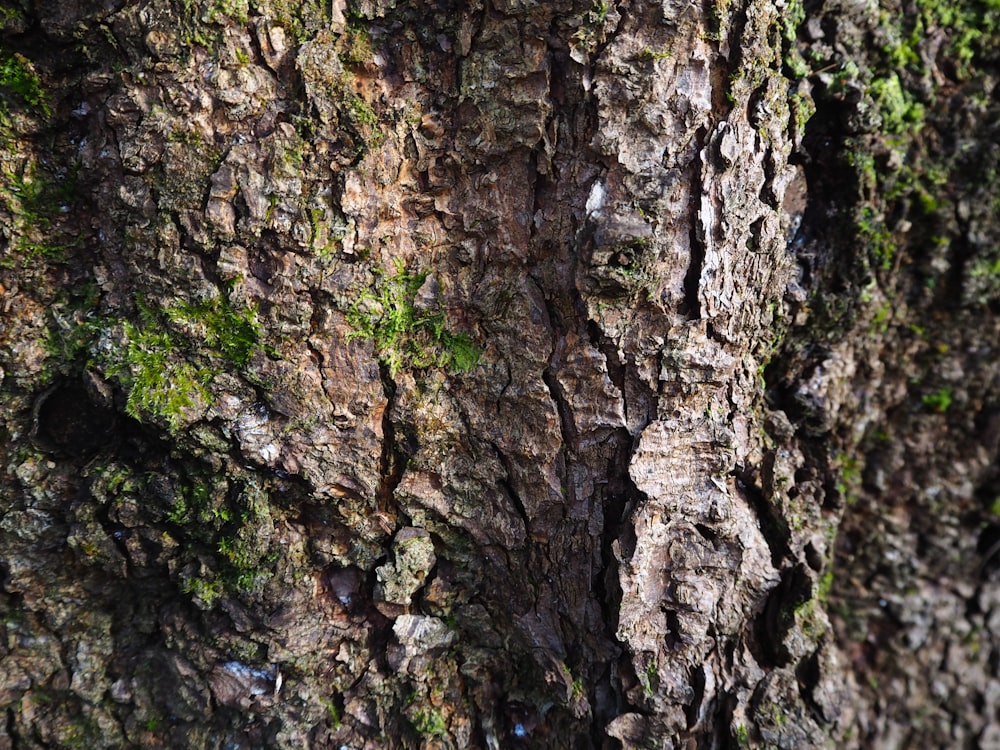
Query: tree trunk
490, 375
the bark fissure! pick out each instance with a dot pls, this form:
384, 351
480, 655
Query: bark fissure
392, 462
696, 238
511, 491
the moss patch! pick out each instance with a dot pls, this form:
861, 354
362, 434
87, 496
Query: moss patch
404, 336
168, 358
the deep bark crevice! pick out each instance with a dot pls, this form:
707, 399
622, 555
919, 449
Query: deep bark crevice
692, 278
392, 462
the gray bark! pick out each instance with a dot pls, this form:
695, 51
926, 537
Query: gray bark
497, 375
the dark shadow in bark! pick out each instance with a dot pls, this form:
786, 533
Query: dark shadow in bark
778, 616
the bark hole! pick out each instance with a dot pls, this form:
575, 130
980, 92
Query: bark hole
70, 423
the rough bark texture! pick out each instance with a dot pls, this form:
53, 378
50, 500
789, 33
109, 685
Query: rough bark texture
429, 374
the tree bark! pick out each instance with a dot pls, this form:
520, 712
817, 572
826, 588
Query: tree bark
510, 374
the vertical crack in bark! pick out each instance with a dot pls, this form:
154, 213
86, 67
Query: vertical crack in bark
391, 463
113, 531
604, 459
771, 524
15, 738
622, 9
566, 426
509, 489
619, 497
692, 279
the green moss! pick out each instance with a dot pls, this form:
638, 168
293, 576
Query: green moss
405, 337
590, 26
356, 46
187, 136
19, 82
863, 162
824, 586
365, 121
231, 334
199, 503
797, 66
38, 202
971, 28
986, 268
222, 10
10, 18
846, 73
900, 111
226, 526
651, 54
939, 401
778, 716
876, 236
650, 678
850, 476
166, 360
742, 736
333, 711
880, 321
302, 18
71, 330
206, 591
153, 724
159, 381
911, 175
792, 18
324, 235
430, 723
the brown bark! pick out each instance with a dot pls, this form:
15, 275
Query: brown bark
495, 375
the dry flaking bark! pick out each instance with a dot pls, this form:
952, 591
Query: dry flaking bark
492, 375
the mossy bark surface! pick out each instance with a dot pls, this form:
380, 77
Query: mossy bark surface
510, 374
